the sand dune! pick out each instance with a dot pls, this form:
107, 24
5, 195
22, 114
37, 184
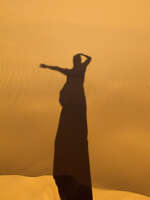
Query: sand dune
116, 35
44, 188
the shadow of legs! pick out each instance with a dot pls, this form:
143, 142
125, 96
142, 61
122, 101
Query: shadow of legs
70, 189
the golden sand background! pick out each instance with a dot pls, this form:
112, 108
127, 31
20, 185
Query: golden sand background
117, 36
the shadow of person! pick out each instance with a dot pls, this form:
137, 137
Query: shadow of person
71, 169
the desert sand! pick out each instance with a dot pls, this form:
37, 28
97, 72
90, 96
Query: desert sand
44, 188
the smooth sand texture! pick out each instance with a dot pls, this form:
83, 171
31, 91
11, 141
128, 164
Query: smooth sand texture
116, 35
44, 188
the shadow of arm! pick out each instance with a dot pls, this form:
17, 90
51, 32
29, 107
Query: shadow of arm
88, 59
55, 68
86, 62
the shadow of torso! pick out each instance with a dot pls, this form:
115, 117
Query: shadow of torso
72, 94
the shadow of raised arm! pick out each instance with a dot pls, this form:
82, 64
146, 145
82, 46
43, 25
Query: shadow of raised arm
88, 59
56, 68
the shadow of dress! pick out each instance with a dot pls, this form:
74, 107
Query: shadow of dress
71, 168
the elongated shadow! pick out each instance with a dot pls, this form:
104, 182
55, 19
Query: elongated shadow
71, 169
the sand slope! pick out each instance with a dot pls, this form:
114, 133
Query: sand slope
44, 188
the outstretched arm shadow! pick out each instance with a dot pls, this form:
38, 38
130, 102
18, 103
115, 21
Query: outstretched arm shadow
55, 68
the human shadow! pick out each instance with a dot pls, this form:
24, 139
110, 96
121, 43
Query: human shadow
71, 169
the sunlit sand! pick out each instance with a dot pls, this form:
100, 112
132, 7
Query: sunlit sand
44, 188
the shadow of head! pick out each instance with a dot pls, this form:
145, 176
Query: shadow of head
77, 60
